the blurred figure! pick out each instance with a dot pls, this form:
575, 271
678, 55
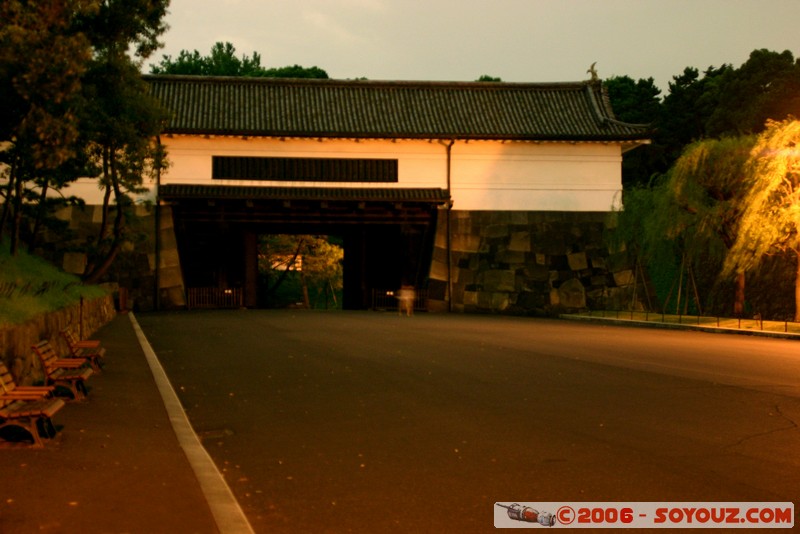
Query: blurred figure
405, 300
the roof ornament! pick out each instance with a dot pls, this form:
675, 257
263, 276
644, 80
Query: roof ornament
593, 72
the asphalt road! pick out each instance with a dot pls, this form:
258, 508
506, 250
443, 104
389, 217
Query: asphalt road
371, 422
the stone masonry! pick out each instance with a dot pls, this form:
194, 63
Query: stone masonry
529, 263
84, 317
133, 274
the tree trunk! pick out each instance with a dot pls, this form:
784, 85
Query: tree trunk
16, 216
272, 290
100, 270
333, 294
37, 224
797, 289
102, 234
304, 283
95, 276
7, 203
738, 299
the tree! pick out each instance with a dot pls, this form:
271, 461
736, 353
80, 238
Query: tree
322, 268
121, 121
42, 60
720, 101
707, 186
222, 61
637, 102
766, 86
684, 223
685, 111
116, 26
122, 141
296, 71
74, 99
770, 224
315, 260
634, 101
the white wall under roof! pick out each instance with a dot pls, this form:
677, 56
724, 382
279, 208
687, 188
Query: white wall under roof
484, 175
535, 177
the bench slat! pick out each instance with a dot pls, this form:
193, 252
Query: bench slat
88, 349
23, 408
63, 371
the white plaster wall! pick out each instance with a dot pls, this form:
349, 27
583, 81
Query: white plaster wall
485, 175
536, 177
420, 163
88, 190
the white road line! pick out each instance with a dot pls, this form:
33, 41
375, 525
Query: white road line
226, 510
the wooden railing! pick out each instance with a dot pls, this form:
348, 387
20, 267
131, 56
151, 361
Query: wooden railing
214, 297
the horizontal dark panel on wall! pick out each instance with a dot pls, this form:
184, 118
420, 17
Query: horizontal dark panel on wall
304, 169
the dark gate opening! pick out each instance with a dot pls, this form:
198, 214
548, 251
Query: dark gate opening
300, 271
386, 237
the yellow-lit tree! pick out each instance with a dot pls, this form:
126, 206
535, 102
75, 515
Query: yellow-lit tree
770, 223
706, 187
690, 216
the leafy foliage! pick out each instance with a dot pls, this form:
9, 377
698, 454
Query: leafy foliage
78, 106
41, 64
121, 121
70, 69
313, 263
689, 218
119, 25
724, 208
770, 223
689, 195
717, 102
222, 61
766, 86
636, 102
74, 105
121, 134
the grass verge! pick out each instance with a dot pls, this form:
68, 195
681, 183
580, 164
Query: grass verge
30, 286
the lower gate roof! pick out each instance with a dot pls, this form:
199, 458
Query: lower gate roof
226, 192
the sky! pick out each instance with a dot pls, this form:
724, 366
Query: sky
515, 40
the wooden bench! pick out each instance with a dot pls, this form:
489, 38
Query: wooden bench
70, 373
88, 349
9, 390
34, 416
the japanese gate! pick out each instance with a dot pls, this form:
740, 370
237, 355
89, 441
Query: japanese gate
416, 177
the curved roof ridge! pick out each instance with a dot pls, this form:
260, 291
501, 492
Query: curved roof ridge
603, 108
362, 82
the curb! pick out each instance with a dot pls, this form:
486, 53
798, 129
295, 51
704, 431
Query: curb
224, 507
674, 326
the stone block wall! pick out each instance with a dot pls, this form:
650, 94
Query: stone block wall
172, 293
16, 340
133, 274
537, 263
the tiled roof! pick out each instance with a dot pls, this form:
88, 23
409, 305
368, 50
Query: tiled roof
180, 191
282, 107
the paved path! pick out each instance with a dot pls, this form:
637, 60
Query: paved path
369, 422
116, 465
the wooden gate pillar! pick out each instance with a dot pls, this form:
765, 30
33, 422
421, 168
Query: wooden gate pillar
250, 269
